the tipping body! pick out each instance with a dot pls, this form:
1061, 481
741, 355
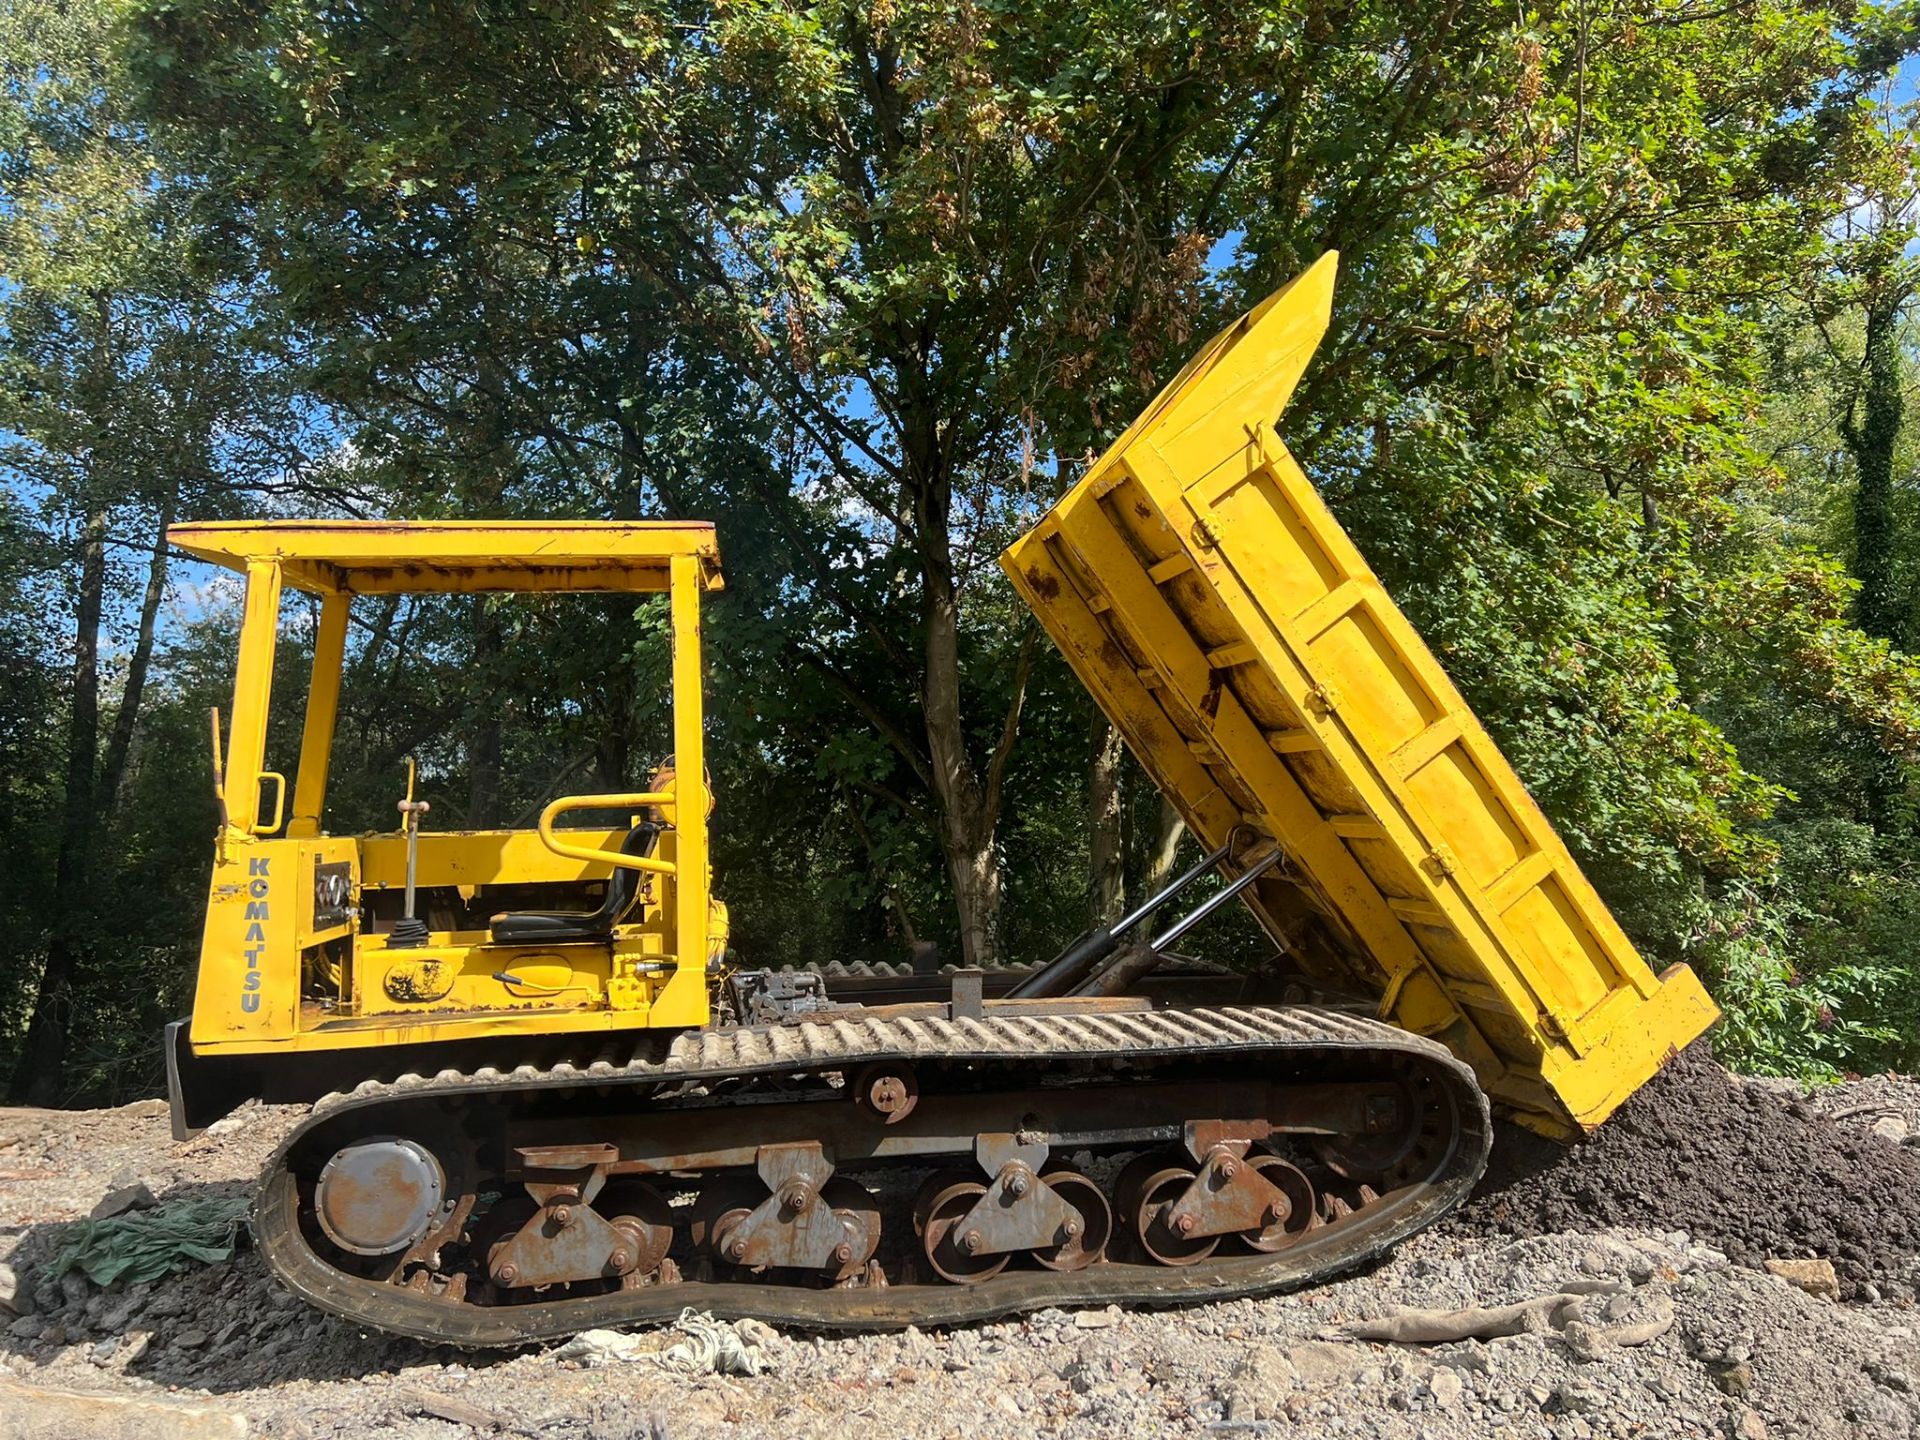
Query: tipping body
1206, 596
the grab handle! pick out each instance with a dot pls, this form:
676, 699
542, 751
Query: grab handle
615, 858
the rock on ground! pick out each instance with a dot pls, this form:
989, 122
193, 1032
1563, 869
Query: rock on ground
39, 1412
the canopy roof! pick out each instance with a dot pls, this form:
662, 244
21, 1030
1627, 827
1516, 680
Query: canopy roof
384, 557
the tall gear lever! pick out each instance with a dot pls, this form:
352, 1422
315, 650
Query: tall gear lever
410, 930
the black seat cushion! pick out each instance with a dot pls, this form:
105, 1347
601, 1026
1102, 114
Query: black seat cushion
541, 927
547, 927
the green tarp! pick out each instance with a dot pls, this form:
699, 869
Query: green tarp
151, 1243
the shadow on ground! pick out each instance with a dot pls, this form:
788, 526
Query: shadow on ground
223, 1327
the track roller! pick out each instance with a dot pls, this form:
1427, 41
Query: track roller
831, 1226
644, 1223
944, 1201
1301, 1212
1077, 1251
1147, 1190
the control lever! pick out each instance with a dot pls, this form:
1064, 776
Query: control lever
409, 930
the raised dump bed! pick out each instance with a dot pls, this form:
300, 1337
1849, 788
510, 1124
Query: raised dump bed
1208, 599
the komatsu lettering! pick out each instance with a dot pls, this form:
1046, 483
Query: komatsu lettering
256, 937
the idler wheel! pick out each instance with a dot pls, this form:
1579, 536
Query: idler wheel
1366, 1157
1301, 1213
378, 1196
937, 1215
1390, 1158
1078, 1251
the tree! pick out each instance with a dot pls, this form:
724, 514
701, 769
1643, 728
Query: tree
697, 219
910, 263
1874, 274
129, 400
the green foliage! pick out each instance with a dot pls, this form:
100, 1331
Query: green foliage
1823, 985
863, 283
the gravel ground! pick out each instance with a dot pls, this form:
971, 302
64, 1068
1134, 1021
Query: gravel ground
1725, 1348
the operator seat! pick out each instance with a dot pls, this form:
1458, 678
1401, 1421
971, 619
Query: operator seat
547, 927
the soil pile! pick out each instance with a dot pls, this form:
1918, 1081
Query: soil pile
1738, 1166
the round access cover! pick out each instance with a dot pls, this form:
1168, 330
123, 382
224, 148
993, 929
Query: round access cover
377, 1196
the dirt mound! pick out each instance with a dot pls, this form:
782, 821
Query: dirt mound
1736, 1165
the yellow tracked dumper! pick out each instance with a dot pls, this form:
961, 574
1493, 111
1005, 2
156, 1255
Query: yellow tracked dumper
545, 1097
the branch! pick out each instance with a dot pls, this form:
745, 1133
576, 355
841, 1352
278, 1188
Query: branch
809, 556
892, 797
851, 693
997, 766
566, 772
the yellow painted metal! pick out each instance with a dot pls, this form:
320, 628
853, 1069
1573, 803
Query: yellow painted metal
460, 973
260, 926
323, 708
480, 857
273, 979
1203, 592
252, 692
684, 999
271, 819
460, 557
555, 809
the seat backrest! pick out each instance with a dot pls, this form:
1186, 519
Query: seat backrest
624, 884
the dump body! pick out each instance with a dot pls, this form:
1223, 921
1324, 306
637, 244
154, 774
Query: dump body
1207, 598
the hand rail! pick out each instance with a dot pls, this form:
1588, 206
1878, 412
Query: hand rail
254, 827
603, 802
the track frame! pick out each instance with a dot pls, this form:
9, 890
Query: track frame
795, 1068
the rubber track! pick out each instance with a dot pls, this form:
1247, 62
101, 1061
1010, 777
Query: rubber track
836, 1043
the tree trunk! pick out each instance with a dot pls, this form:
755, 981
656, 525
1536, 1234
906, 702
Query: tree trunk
1872, 441
36, 1079
891, 897
616, 711
485, 494
113, 773
966, 827
483, 734
1166, 845
1106, 835
623, 733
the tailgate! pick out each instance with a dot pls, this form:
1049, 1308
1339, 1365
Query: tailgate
1208, 599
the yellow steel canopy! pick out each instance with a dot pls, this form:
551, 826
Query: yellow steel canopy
379, 557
